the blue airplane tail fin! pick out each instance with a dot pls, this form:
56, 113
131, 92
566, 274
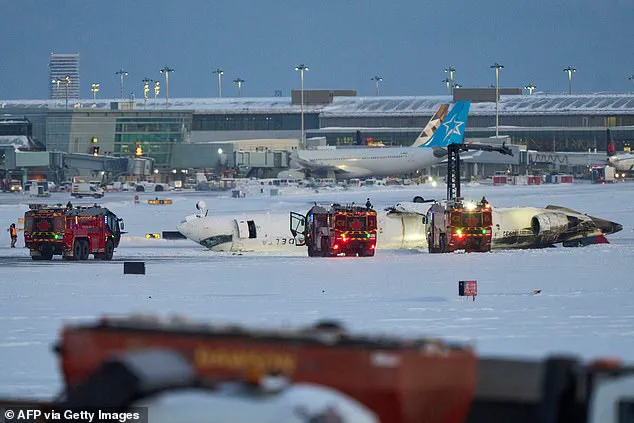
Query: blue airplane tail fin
452, 129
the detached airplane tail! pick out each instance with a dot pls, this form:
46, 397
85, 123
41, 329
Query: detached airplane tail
432, 125
452, 129
610, 148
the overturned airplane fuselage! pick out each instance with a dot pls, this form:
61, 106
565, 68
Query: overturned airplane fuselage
402, 227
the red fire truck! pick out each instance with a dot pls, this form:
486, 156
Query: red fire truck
459, 225
72, 232
337, 229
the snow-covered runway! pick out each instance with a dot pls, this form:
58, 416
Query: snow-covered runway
585, 308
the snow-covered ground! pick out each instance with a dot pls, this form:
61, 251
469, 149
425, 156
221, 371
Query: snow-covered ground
586, 306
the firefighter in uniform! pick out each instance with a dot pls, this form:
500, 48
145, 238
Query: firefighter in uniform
14, 235
368, 205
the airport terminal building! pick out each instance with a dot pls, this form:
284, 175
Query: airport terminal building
206, 132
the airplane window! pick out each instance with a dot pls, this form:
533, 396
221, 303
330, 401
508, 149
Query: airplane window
216, 240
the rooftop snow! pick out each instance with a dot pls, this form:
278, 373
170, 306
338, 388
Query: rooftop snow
365, 106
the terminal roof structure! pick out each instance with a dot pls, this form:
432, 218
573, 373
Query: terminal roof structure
598, 103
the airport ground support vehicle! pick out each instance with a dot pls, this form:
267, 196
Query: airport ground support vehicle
72, 232
459, 225
242, 374
329, 231
603, 174
85, 189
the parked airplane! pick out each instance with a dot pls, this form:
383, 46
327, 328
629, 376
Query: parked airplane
623, 162
401, 227
428, 149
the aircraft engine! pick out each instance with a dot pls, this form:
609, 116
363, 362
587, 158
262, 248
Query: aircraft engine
548, 226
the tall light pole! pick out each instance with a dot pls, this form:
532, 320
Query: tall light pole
239, 82
67, 80
146, 90
157, 90
631, 78
57, 81
218, 72
122, 73
301, 69
451, 71
570, 70
447, 82
95, 89
530, 87
376, 80
166, 70
497, 68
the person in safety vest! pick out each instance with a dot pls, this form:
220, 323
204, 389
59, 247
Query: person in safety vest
14, 235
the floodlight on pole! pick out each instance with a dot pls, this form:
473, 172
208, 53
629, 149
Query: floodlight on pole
56, 81
146, 90
447, 82
167, 70
570, 70
530, 87
219, 72
122, 73
451, 71
67, 80
238, 83
95, 89
631, 78
301, 69
497, 68
157, 90
376, 80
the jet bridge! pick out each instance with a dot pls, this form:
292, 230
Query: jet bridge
261, 163
111, 165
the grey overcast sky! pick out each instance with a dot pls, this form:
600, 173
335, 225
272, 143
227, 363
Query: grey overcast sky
344, 42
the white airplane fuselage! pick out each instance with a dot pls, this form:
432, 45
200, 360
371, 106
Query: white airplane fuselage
623, 162
519, 227
371, 161
272, 233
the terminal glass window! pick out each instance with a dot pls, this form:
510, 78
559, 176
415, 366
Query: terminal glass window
253, 122
155, 137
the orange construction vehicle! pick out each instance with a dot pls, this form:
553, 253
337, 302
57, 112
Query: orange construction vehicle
330, 231
72, 232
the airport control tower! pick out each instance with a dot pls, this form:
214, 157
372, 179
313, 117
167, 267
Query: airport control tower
62, 66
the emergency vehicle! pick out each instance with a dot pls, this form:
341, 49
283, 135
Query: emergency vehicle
459, 225
337, 229
72, 232
455, 224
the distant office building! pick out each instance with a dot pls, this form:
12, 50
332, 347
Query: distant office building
60, 67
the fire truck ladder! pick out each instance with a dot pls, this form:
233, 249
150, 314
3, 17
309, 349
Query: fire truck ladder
453, 164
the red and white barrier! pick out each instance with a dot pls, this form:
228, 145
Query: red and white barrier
499, 180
